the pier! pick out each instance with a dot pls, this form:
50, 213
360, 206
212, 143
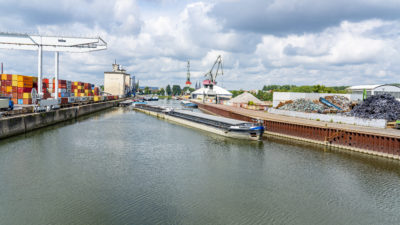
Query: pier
375, 141
19, 124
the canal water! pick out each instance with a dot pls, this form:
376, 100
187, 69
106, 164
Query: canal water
125, 167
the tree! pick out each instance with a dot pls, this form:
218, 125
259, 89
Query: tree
146, 90
168, 90
161, 92
236, 93
176, 90
186, 89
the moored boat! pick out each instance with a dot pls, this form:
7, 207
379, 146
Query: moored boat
188, 104
215, 124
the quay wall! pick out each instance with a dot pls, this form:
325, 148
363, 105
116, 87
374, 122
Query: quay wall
27, 122
370, 143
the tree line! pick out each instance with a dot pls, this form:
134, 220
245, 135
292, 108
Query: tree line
266, 93
176, 90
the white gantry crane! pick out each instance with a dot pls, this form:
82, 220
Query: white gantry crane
55, 44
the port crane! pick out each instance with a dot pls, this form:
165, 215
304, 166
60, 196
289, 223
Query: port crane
56, 44
211, 81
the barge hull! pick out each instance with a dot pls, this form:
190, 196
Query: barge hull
354, 139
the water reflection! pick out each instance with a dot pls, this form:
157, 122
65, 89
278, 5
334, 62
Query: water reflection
123, 167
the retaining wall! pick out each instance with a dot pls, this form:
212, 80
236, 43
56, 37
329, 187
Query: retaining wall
28, 122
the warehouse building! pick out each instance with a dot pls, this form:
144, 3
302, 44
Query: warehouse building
376, 90
117, 82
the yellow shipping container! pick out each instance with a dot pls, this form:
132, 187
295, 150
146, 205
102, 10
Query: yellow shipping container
9, 89
4, 77
80, 87
26, 95
82, 94
14, 83
76, 83
15, 77
25, 84
96, 98
22, 78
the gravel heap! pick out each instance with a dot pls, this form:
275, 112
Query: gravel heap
383, 106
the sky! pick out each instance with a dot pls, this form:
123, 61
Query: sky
262, 42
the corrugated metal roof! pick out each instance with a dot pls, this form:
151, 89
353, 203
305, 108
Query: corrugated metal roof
211, 117
362, 87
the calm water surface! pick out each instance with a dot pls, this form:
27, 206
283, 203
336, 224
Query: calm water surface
124, 167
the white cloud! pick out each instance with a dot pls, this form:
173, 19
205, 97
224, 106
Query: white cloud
154, 44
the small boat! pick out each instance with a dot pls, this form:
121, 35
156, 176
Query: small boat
214, 124
154, 98
188, 104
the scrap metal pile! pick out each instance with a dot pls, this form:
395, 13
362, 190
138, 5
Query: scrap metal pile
305, 105
341, 101
383, 106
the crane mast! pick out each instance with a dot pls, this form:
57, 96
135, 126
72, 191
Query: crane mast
211, 81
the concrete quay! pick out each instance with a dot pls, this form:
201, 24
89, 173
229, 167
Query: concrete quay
375, 141
10, 126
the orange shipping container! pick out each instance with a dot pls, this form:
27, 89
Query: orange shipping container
27, 101
9, 89
4, 77
25, 84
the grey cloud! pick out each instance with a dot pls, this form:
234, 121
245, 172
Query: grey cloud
282, 17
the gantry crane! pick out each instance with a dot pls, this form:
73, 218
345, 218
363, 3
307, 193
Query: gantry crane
50, 43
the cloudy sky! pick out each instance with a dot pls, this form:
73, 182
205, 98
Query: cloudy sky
330, 42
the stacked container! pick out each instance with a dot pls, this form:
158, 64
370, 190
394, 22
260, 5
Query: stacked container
18, 87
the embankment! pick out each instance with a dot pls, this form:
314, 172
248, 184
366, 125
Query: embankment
10, 126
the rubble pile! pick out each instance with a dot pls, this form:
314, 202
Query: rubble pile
303, 105
383, 106
341, 101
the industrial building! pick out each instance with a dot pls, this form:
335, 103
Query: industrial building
117, 82
376, 89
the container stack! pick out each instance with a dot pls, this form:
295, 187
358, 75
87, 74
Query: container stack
18, 87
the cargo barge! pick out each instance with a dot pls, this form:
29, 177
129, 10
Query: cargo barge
374, 141
219, 125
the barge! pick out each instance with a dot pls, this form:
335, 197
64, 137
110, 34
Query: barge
219, 125
188, 104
